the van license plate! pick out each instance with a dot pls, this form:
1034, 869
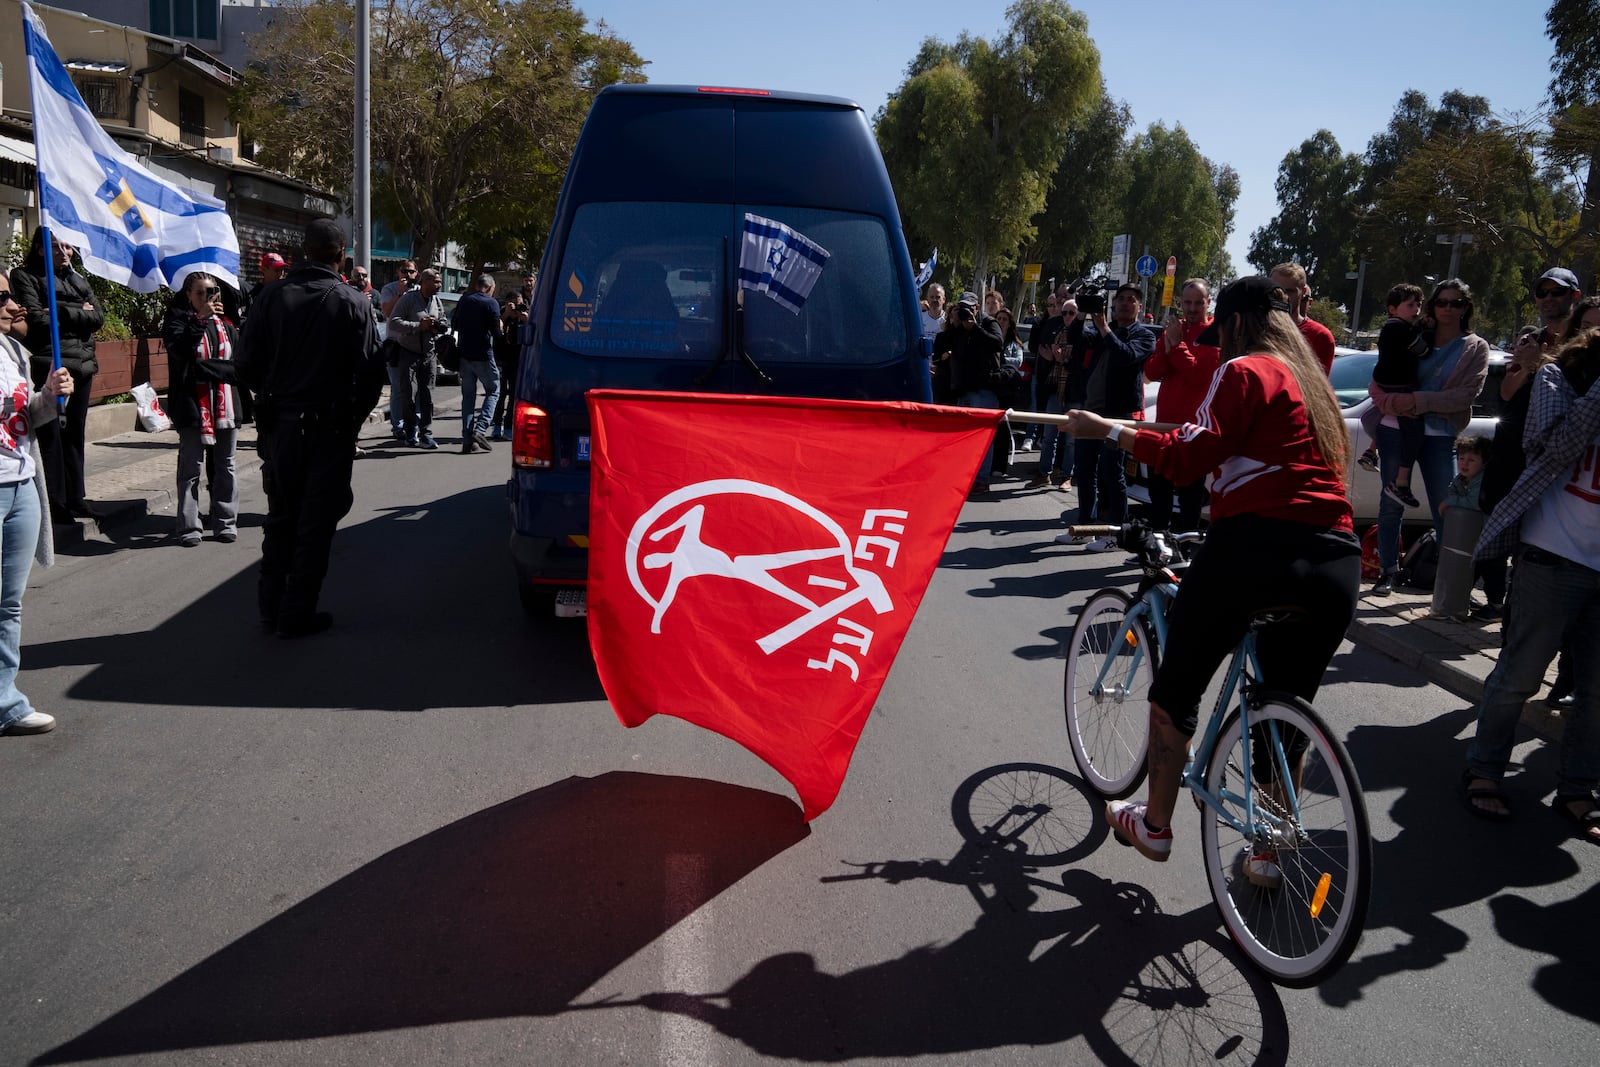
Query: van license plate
583, 449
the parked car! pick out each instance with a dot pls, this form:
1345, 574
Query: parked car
1352, 372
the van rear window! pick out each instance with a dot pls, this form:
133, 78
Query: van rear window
651, 280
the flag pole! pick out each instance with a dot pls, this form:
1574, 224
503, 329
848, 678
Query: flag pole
1062, 420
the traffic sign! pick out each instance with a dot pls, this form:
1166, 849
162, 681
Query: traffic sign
1031, 271
1146, 266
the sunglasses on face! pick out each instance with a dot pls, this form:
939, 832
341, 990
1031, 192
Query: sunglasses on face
5, 297
1546, 294
1443, 303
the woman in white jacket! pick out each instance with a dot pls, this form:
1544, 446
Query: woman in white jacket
25, 533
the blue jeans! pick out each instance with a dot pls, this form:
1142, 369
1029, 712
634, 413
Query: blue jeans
19, 536
472, 372
397, 415
1055, 444
1437, 463
1551, 599
982, 398
1102, 483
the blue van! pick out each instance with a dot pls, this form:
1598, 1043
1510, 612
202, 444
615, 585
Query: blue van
639, 287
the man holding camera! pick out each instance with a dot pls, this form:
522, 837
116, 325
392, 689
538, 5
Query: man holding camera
1110, 360
415, 324
971, 355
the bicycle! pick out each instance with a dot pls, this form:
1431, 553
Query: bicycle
1301, 798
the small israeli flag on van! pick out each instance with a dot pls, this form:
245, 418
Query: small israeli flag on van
779, 262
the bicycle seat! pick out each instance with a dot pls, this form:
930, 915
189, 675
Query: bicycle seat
1273, 616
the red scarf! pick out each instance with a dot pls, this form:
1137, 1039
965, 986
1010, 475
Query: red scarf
215, 398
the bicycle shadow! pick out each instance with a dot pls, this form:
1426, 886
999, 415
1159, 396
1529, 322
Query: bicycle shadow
1047, 960
1425, 880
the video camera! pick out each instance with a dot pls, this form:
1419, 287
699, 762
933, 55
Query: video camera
1090, 293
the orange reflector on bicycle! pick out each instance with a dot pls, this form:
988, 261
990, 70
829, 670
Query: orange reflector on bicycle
1320, 897
1128, 637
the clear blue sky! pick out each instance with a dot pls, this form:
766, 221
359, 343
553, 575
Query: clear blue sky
1247, 88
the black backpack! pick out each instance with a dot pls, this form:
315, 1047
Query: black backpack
1420, 564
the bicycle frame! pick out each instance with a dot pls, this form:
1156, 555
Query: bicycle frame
1244, 674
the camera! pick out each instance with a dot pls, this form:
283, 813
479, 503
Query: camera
965, 314
1090, 293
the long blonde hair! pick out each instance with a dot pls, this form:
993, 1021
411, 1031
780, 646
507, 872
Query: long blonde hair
1275, 334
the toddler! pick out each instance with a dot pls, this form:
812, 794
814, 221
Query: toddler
1401, 345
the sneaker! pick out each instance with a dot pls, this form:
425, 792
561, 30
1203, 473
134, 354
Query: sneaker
1384, 585
1101, 544
1402, 493
426, 442
1126, 819
35, 722
1490, 613
1067, 538
190, 542
481, 441
1261, 869
227, 537
1369, 460
1038, 482
411, 441
399, 434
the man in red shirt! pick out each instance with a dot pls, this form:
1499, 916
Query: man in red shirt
1291, 278
1185, 369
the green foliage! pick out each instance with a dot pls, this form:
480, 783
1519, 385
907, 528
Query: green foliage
974, 134
128, 314
476, 107
1316, 223
113, 329
1171, 204
1087, 188
1330, 315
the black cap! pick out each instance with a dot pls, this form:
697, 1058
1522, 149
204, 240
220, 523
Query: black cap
1254, 293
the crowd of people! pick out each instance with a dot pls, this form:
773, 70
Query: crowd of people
1528, 499
302, 354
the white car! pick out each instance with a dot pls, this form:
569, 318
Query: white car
1352, 371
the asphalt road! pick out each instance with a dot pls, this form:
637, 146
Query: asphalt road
424, 838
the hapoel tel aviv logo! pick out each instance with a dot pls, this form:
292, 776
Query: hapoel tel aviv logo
807, 568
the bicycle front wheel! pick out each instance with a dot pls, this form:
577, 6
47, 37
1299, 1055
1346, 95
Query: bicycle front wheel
1106, 694
1293, 889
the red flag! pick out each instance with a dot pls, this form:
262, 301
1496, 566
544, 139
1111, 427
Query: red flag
755, 562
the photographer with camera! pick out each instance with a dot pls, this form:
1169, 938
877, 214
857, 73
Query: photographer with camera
1050, 346
969, 351
415, 324
1108, 361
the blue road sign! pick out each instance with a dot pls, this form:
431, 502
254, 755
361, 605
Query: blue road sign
1146, 266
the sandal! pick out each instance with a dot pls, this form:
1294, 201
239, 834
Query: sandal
1587, 823
1488, 789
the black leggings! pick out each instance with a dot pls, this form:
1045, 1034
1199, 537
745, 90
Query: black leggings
1250, 564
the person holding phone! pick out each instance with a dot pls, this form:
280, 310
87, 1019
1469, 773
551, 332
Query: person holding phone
203, 403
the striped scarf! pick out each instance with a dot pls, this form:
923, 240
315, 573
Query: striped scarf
215, 398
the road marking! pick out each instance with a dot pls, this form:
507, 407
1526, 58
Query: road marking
685, 959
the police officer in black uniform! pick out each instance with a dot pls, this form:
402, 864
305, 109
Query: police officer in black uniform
311, 355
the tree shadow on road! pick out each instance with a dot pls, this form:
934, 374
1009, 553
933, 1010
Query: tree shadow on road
513, 911
1051, 957
1442, 858
426, 616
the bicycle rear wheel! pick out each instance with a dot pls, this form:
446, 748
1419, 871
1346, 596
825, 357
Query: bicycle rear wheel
1106, 694
1306, 927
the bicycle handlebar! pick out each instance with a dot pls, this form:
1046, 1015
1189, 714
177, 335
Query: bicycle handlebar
1094, 531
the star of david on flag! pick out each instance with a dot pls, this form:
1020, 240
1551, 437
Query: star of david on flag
779, 262
130, 226
926, 272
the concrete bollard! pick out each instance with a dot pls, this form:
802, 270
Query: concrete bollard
1452, 585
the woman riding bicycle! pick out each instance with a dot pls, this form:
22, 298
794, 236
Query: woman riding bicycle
1271, 434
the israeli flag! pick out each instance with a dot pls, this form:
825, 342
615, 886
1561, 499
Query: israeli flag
779, 262
129, 225
926, 273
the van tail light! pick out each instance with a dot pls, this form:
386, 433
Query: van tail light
531, 446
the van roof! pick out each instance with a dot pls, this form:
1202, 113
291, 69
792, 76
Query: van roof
732, 92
